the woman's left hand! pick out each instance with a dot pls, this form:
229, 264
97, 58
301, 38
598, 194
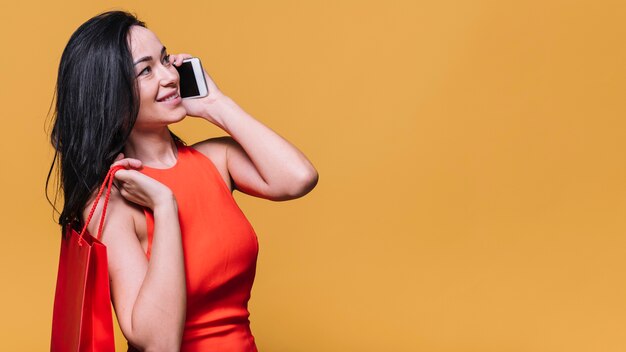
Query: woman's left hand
199, 107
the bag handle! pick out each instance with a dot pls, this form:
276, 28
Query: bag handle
108, 184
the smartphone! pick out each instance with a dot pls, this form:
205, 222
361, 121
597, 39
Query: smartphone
192, 82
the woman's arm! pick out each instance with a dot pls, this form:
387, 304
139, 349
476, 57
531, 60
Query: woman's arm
149, 296
260, 161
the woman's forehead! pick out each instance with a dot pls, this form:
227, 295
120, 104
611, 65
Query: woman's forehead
143, 41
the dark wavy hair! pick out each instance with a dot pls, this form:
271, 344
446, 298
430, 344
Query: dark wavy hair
97, 102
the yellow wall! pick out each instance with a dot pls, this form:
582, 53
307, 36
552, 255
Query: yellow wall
471, 156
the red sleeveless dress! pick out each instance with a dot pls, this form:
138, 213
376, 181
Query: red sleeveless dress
220, 249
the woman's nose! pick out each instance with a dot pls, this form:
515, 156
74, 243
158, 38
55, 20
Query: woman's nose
168, 74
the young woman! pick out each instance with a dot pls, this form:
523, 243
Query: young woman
182, 255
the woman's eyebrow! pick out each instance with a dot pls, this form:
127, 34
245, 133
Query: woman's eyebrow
148, 58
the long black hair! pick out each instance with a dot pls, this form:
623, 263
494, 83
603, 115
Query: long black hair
97, 102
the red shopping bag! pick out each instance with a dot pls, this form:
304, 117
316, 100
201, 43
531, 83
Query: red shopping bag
82, 320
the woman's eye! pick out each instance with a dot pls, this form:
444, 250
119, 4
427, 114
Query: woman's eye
147, 70
167, 59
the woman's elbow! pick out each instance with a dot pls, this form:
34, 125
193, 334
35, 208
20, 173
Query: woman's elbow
310, 181
302, 184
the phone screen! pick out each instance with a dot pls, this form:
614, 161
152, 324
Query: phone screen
188, 83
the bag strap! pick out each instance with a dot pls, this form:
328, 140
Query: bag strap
108, 184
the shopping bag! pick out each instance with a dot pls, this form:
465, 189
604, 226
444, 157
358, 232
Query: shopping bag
82, 319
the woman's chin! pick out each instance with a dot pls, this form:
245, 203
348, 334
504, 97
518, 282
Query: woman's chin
182, 114
177, 114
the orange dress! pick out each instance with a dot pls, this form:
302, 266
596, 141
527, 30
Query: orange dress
220, 249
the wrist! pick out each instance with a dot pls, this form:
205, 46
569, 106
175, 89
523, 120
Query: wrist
166, 202
217, 108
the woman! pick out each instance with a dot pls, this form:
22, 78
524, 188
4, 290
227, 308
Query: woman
181, 254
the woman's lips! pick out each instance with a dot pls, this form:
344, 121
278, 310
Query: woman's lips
174, 101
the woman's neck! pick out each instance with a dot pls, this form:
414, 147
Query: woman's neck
154, 149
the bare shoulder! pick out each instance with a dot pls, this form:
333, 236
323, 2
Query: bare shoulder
121, 218
215, 149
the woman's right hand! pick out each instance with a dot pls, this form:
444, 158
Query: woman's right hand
137, 187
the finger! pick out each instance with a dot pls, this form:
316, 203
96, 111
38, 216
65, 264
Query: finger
119, 156
124, 176
122, 162
127, 195
178, 58
128, 163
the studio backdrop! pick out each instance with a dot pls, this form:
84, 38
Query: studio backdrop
471, 156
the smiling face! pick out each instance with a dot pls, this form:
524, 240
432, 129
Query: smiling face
157, 79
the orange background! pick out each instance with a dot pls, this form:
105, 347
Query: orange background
471, 157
